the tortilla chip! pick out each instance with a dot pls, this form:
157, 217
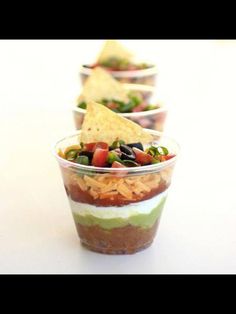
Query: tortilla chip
113, 48
103, 125
101, 84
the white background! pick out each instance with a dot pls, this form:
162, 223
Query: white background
38, 83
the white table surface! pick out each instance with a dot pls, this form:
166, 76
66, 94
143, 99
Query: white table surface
197, 234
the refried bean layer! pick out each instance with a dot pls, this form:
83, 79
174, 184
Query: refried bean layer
124, 240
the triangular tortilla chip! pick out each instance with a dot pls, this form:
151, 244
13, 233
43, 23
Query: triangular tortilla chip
113, 48
100, 84
103, 125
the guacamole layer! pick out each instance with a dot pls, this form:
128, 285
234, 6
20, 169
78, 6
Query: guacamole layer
143, 220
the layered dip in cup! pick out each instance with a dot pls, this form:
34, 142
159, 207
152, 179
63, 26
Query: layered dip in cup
116, 176
122, 65
132, 101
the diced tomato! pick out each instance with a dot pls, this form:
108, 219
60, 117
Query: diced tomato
91, 147
167, 157
117, 164
140, 107
102, 145
120, 173
141, 157
100, 157
110, 69
132, 67
112, 105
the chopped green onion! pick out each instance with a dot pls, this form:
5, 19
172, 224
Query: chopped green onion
82, 105
111, 62
135, 100
122, 64
156, 151
151, 107
71, 154
152, 150
126, 107
143, 65
83, 160
113, 157
123, 107
104, 101
155, 161
116, 144
162, 150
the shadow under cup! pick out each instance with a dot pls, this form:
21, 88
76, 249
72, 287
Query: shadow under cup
116, 210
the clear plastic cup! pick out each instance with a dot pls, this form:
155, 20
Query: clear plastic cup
151, 119
146, 76
116, 210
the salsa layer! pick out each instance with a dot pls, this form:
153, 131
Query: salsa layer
107, 190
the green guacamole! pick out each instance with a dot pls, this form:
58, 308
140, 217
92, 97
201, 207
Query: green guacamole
139, 220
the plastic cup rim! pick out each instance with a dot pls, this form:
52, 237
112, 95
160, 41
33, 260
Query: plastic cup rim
142, 169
